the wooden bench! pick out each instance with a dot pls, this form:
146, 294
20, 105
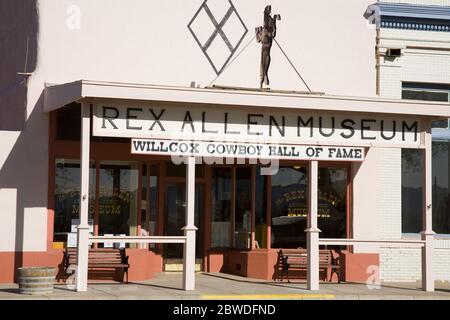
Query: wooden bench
100, 259
297, 260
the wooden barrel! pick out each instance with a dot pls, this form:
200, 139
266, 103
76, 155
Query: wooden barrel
36, 280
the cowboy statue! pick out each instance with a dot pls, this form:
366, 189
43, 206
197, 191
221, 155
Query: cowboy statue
265, 36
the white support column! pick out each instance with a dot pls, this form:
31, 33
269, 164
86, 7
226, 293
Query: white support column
189, 229
312, 233
427, 233
83, 227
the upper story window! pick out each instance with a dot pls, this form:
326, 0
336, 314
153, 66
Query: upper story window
425, 91
428, 92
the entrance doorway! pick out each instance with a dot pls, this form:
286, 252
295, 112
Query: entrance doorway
175, 220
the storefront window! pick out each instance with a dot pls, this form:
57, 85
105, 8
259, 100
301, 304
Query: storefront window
412, 176
243, 208
412, 182
441, 182
175, 218
221, 208
67, 198
290, 205
149, 199
118, 199
428, 92
179, 170
260, 210
412, 166
332, 210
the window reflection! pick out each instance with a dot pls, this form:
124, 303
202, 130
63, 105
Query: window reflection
260, 210
332, 210
441, 177
118, 199
290, 205
412, 175
243, 208
412, 182
149, 199
221, 208
67, 197
175, 218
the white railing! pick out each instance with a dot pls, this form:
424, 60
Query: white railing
382, 243
137, 239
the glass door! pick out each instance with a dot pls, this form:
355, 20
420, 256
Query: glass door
243, 208
231, 218
118, 190
175, 220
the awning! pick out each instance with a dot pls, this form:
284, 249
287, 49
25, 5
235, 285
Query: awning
409, 16
58, 96
407, 10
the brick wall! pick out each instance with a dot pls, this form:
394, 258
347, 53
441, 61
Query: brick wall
404, 264
389, 204
425, 59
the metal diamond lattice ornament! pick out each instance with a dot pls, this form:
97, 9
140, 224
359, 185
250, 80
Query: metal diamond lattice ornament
219, 31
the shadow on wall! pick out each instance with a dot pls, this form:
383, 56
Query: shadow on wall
26, 171
18, 52
26, 165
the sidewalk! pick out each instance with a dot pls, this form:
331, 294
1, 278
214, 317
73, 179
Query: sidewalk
167, 286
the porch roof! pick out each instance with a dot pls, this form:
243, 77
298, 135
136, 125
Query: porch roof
58, 95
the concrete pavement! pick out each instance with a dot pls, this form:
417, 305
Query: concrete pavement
167, 286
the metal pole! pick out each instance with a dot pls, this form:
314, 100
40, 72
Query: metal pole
292, 65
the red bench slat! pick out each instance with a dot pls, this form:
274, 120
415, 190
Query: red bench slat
297, 260
100, 259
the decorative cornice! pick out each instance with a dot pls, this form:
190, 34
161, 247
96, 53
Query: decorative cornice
409, 16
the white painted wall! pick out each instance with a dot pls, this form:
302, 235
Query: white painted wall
364, 211
376, 200
147, 41
8, 225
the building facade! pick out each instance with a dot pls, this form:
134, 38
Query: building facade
412, 63
182, 71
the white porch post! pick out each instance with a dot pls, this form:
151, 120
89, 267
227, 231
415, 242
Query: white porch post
427, 233
83, 227
312, 233
189, 229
